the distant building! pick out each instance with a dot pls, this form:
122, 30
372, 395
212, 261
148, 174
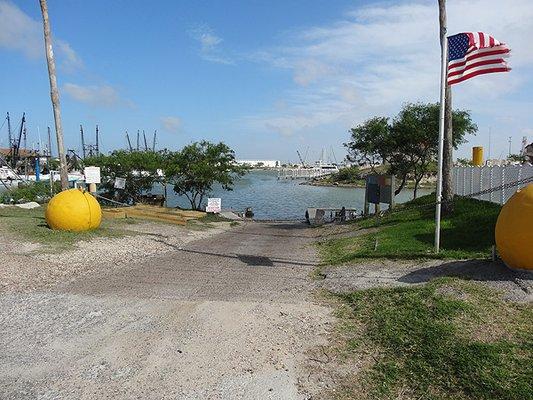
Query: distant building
260, 163
528, 152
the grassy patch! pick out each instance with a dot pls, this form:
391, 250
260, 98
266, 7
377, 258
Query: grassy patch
448, 339
31, 225
207, 222
211, 217
409, 233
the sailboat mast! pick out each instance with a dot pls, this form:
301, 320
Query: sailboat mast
82, 142
49, 143
10, 139
97, 145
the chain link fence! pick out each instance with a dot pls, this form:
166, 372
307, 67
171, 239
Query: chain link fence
478, 182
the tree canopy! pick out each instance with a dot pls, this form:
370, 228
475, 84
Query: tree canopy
141, 169
408, 144
195, 169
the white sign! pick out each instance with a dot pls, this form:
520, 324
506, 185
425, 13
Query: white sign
120, 183
92, 174
214, 205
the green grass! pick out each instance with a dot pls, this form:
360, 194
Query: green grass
207, 222
409, 233
211, 217
31, 225
448, 339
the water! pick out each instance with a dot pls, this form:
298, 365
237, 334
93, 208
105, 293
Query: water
271, 198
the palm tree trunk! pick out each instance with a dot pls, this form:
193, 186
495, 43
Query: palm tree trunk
447, 154
54, 94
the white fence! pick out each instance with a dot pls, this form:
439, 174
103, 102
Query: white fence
468, 180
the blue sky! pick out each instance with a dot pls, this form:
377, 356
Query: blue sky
266, 77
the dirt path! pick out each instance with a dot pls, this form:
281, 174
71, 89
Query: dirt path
228, 317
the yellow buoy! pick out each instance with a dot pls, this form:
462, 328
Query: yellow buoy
73, 210
514, 230
477, 156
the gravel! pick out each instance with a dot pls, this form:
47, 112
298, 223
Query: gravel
25, 267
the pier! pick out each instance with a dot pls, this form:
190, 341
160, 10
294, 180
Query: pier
303, 173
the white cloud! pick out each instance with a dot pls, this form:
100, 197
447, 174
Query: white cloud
171, 124
101, 96
71, 61
210, 45
375, 58
20, 32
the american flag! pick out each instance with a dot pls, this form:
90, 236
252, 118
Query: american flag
475, 53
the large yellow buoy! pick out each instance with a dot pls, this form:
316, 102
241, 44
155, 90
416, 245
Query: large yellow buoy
73, 210
514, 230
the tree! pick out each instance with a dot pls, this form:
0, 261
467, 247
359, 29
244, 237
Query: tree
447, 153
140, 169
54, 94
408, 145
197, 167
517, 158
349, 174
464, 162
416, 132
367, 145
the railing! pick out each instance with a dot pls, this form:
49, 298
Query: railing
470, 180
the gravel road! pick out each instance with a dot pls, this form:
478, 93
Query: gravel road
229, 316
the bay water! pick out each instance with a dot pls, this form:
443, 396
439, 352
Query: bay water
273, 199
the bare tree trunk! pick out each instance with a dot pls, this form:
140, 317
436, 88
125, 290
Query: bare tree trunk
417, 183
402, 184
54, 94
447, 155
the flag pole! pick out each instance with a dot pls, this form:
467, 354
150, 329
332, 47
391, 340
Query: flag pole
443, 83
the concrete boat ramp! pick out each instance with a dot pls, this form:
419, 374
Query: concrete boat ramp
226, 317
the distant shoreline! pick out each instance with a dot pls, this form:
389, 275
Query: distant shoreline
321, 183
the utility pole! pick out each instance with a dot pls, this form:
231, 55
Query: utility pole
54, 95
490, 143
82, 143
510, 142
447, 150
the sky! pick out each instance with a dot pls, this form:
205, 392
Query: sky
267, 77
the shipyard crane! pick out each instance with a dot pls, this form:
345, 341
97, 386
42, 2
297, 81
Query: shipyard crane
300, 157
145, 143
129, 141
16, 151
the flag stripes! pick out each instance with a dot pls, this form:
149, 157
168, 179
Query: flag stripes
475, 53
